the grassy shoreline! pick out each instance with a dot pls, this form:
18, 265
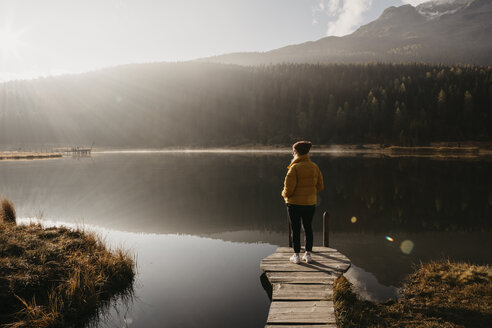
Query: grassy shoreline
437, 294
12, 155
57, 277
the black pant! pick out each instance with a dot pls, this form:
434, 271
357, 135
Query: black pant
304, 213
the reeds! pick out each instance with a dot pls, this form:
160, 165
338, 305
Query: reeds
7, 211
55, 277
350, 311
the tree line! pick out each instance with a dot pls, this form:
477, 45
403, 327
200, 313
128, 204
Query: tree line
204, 105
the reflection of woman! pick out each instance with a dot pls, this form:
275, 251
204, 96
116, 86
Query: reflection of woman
302, 182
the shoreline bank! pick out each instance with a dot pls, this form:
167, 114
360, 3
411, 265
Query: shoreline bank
437, 294
7, 155
56, 276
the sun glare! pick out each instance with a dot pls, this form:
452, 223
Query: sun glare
10, 42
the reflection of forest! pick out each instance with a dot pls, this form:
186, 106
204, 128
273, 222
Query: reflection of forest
207, 193
408, 194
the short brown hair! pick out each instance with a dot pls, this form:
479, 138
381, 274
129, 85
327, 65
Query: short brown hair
302, 147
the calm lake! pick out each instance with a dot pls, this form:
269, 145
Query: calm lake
199, 223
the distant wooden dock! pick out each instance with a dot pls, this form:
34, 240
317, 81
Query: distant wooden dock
76, 151
302, 294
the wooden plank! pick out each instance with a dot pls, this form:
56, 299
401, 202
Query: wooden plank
304, 267
284, 292
315, 259
320, 265
302, 312
315, 250
302, 277
315, 256
302, 293
272, 260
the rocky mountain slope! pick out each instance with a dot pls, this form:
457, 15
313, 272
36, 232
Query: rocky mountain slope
438, 31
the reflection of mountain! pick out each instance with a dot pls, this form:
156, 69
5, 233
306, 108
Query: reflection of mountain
454, 31
213, 193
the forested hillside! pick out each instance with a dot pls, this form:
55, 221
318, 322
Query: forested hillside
205, 105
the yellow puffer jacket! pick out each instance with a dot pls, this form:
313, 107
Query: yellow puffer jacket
302, 182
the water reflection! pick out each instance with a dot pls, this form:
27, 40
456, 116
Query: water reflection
368, 287
188, 281
208, 192
429, 208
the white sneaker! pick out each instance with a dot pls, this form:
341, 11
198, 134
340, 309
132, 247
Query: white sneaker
295, 259
307, 257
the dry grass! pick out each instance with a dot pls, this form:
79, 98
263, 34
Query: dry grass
7, 211
349, 310
438, 294
54, 277
27, 155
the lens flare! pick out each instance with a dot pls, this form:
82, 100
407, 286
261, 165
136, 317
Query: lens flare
407, 246
388, 238
353, 219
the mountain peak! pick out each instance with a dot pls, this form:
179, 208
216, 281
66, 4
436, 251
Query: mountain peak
437, 8
393, 20
437, 31
395, 12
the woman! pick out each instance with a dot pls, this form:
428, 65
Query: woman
302, 182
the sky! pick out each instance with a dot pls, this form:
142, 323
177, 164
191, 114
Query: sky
50, 37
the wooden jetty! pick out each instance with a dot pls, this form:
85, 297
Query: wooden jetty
78, 151
302, 294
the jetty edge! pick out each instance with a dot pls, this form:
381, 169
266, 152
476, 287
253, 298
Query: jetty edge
302, 294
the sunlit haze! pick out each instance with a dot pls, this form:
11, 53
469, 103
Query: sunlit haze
39, 38
226, 163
